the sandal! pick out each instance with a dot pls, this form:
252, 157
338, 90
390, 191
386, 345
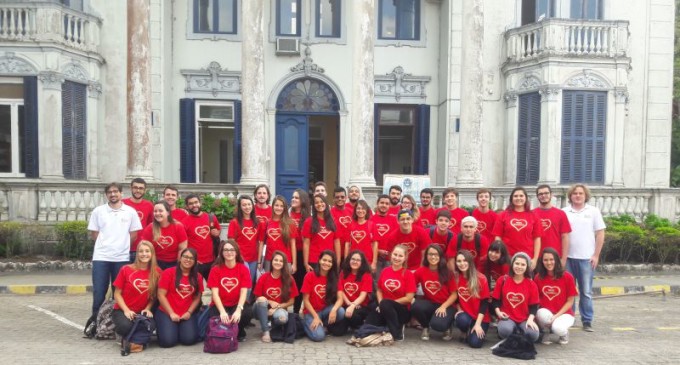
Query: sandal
266, 338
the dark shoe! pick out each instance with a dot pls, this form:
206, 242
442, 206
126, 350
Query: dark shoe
587, 327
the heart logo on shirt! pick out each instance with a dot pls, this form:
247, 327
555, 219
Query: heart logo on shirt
463, 293
481, 226
452, 223
249, 232
473, 253
273, 293
320, 290
140, 215
392, 285
142, 285
351, 288
410, 246
323, 232
185, 290
433, 287
274, 233
229, 284
546, 223
358, 236
262, 219
345, 221
425, 222
382, 229
165, 242
551, 291
515, 299
518, 224
202, 231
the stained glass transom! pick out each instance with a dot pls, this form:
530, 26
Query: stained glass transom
307, 95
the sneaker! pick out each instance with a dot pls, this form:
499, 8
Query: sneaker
587, 327
545, 337
425, 336
448, 335
266, 338
564, 340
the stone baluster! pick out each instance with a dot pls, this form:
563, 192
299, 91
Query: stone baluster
71, 210
63, 207
42, 207
82, 213
4, 206
637, 209
52, 211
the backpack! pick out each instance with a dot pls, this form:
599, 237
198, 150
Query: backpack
369, 336
220, 338
516, 346
138, 337
449, 234
478, 239
104, 329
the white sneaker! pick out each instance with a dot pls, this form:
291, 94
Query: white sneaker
448, 335
425, 335
564, 340
545, 337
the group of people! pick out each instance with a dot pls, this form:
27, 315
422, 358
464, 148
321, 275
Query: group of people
342, 264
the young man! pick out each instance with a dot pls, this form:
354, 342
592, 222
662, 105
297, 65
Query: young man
112, 226
467, 239
320, 188
262, 196
554, 222
585, 244
415, 240
170, 195
353, 195
395, 198
486, 217
383, 226
342, 216
200, 233
439, 232
143, 207
428, 215
450, 196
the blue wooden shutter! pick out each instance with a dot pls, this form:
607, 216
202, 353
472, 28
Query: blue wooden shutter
584, 116
187, 140
237, 142
30, 150
74, 130
529, 139
422, 142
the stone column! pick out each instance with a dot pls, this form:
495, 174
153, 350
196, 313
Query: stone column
138, 90
621, 99
253, 155
511, 133
551, 136
362, 34
472, 96
50, 118
94, 91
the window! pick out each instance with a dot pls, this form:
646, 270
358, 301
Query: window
586, 9
74, 130
215, 16
12, 131
399, 19
537, 10
529, 139
584, 115
73, 4
288, 20
328, 18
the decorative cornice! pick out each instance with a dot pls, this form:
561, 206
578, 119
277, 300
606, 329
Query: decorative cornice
529, 82
10, 64
51, 80
587, 80
307, 64
94, 89
212, 80
74, 71
399, 84
510, 98
549, 93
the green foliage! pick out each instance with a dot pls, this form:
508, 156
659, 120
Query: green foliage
73, 241
222, 208
10, 238
653, 221
654, 240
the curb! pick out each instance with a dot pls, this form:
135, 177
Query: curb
604, 291
45, 289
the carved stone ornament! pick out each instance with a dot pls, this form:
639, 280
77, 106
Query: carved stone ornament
307, 64
587, 80
51, 80
549, 93
212, 80
10, 64
622, 96
399, 84
529, 82
510, 99
74, 71
94, 89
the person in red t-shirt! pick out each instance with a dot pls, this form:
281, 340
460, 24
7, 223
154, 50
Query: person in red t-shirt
495, 263
179, 294
468, 239
300, 210
360, 235
485, 216
394, 193
143, 207
353, 196
136, 285
201, 233
415, 239
170, 195
357, 285
556, 292
275, 292
439, 232
428, 214
518, 227
409, 203
279, 234
383, 227
435, 308
555, 224
323, 299
246, 230
515, 300
167, 235
263, 211
396, 289
342, 216
229, 282
450, 197
319, 234
472, 317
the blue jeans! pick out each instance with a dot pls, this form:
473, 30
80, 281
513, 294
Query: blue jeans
465, 322
583, 273
261, 310
252, 268
170, 333
103, 274
506, 327
319, 333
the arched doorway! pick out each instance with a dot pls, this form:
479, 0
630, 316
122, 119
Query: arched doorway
307, 126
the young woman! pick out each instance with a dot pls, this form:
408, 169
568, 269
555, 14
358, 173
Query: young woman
279, 235
495, 264
246, 231
275, 292
323, 299
263, 211
515, 299
179, 294
556, 292
300, 210
135, 292
408, 202
518, 227
396, 288
360, 235
357, 285
168, 236
229, 282
319, 234
472, 317
435, 308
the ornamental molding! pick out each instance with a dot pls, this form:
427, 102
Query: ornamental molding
510, 98
51, 80
11, 64
587, 80
94, 89
399, 84
529, 82
307, 64
213, 80
76, 72
621, 95
549, 93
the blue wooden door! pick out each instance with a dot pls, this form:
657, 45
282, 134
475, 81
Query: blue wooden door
292, 144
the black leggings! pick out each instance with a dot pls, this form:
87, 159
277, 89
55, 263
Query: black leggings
299, 277
393, 315
123, 324
358, 317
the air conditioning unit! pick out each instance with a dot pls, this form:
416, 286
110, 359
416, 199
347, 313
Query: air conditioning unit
288, 46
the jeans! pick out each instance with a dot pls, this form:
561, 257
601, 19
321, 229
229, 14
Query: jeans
560, 326
252, 268
122, 325
423, 311
583, 273
170, 333
464, 322
337, 329
261, 312
104, 273
507, 326
133, 256
393, 315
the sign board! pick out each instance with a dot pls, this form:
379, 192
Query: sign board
410, 184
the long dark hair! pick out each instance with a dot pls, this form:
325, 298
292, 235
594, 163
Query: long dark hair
220, 253
558, 271
285, 221
240, 216
193, 272
527, 204
528, 274
305, 206
496, 246
266, 187
331, 277
285, 275
444, 273
470, 275
327, 217
346, 269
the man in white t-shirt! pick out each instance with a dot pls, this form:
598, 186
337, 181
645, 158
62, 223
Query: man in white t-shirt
585, 244
112, 226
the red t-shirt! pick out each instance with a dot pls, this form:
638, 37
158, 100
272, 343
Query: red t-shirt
342, 219
496, 271
167, 244
428, 217
134, 288
322, 240
485, 223
396, 284
269, 287
468, 303
353, 288
383, 227
518, 230
553, 293
246, 237
416, 242
179, 298
229, 282
457, 216
516, 298
441, 239
179, 214
452, 250
360, 238
393, 211
274, 239
263, 215
315, 287
433, 289
144, 211
197, 228
554, 223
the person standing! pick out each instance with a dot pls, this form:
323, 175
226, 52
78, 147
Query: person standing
263, 211
395, 198
170, 195
555, 224
585, 244
450, 196
200, 232
485, 216
428, 214
143, 207
342, 216
383, 225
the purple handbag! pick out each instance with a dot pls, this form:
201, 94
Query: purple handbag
220, 338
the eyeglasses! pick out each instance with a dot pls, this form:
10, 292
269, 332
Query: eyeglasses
541, 194
355, 260
229, 250
187, 257
433, 254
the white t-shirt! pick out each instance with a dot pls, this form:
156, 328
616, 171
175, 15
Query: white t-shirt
114, 227
584, 223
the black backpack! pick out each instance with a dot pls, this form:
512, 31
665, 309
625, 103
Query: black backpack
478, 239
449, 234
516, 346
138, 337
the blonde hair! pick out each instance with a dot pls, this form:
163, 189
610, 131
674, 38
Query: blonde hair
572, 188
153, 268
